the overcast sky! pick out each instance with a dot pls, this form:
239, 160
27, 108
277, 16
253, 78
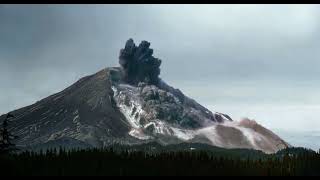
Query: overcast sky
260, 61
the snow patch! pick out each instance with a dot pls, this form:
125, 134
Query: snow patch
132, 112
183, 134
137, 133
211, 134
75, 119
127, 112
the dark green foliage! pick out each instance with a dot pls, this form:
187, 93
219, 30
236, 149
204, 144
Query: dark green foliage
295, 151
6, 137
152, 160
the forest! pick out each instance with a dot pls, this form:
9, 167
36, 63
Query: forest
149, 160
184, 159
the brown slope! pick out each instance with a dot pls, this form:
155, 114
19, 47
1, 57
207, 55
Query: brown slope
83, 111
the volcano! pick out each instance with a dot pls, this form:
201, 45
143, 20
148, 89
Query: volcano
132, 105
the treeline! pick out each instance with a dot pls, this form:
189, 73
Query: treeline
132, 162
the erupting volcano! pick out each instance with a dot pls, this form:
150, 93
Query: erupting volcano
131, 104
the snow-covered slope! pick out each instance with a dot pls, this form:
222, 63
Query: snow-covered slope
157, 111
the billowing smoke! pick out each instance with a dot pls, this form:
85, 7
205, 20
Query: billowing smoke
138, 63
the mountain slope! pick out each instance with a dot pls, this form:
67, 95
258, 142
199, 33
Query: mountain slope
93, 112
83, 111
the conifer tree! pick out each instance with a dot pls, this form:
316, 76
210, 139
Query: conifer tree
6, 136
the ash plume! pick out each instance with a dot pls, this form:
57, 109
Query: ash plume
138, 63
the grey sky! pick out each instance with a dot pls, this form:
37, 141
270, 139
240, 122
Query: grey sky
260, 61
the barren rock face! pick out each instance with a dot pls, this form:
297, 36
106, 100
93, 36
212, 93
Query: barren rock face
138, 64
162, 103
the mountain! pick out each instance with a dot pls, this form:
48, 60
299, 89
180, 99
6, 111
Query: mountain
130, 105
